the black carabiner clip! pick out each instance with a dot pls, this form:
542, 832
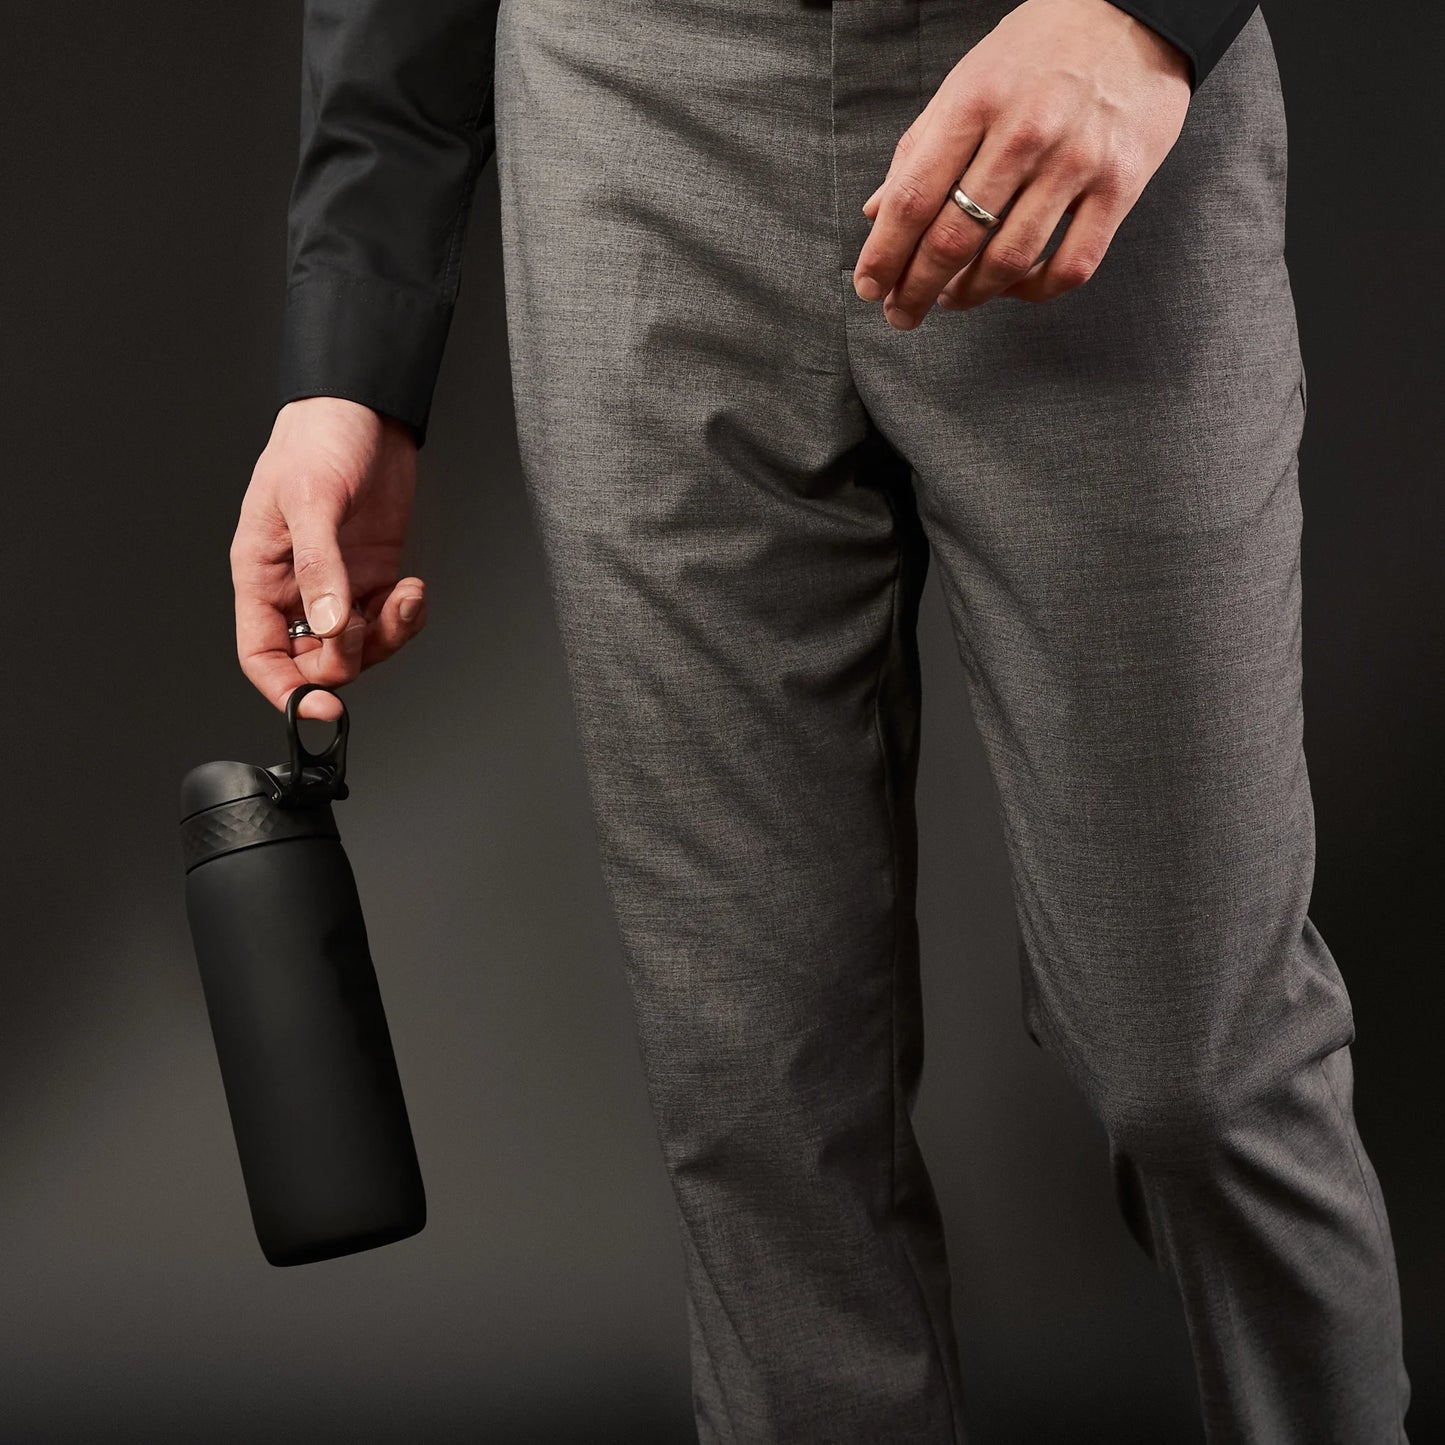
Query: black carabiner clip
297, 789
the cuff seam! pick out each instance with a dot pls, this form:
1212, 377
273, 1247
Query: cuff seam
402, 297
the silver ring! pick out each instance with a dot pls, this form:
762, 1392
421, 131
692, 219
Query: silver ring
972, 208
300, 628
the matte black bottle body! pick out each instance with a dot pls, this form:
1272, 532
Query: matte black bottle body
305, 1054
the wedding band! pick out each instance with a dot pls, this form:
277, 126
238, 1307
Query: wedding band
972, 208
300, 628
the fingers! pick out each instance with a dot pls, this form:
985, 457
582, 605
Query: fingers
1010, 254
1077, 256
335, 660
265, 652
1040, 141
394, 618
906, 143
376, 630
925, 168
313, 517
277, 663
1008, 159
951, 243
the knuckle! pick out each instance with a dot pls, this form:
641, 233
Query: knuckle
1026, 135
245, 565
948, 242
1077, 155
308, 560
1008, 258
911, 200
1116, 174
1074, 270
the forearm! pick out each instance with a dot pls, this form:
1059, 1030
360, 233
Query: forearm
396, 124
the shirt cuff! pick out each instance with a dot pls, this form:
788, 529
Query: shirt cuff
365, 341
1202, 29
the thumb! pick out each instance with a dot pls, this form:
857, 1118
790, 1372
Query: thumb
319, 567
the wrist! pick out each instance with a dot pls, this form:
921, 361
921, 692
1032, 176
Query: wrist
340, 414
1165, 55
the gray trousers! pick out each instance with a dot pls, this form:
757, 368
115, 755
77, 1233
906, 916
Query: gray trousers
740, 472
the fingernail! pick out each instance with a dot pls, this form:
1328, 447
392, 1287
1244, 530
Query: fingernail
409, 608
325, 613
867, 288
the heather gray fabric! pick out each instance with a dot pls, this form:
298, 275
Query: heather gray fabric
740, 473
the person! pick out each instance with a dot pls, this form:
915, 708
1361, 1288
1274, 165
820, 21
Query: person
761, 265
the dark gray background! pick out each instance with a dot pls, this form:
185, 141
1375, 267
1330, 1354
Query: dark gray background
147, 157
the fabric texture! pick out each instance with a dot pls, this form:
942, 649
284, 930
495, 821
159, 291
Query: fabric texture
397, 122
741, 475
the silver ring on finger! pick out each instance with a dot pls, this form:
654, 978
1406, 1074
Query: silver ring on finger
299, 628
970, 207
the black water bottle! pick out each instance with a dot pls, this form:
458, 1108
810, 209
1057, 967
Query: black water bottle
306, 1059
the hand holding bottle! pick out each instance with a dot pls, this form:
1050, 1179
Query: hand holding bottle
320, 535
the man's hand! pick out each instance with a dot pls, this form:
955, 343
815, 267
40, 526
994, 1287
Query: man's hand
320, 534
1065, 106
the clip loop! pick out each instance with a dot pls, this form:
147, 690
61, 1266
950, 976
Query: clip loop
297, 789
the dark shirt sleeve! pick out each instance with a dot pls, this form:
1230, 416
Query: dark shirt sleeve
396, 124
1202, 29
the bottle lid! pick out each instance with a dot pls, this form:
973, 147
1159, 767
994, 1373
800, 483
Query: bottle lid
306, 779
211, 784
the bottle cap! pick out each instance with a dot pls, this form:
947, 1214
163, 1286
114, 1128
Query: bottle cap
306, 779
